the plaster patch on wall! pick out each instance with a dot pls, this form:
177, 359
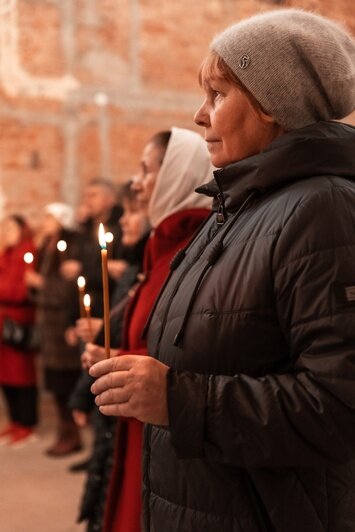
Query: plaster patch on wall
15, 80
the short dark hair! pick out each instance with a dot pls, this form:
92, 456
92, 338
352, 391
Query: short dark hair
126, 192
104, 183
161, 140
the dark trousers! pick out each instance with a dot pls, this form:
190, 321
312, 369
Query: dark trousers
22, 404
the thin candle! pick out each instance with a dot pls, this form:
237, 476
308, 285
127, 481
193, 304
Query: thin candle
28, 257
62, 247
87, 307
81, 288
102, 241
109, 239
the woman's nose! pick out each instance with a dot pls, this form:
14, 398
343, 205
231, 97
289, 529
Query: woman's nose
201, 117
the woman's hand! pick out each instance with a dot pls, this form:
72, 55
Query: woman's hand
70, 336
33, 279
132, 386
70, 269
94, 353
81, 418
116, 268
87, 329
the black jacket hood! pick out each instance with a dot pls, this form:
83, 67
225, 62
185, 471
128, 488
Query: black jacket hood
323, 148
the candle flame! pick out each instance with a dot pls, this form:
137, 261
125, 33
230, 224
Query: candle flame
81, 281
109, 237
102, 239
28, 258
87, 301
61, 245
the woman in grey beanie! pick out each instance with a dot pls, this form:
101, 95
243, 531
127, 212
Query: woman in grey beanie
249, 393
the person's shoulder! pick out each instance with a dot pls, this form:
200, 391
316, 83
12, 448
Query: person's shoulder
317, 189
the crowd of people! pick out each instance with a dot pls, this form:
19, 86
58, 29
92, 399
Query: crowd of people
228, 398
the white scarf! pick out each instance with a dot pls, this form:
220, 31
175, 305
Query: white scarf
186, 165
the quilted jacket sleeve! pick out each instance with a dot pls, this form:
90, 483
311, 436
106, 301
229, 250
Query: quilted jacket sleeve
304, 415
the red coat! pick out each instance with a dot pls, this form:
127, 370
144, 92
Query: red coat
16, 368
124, 496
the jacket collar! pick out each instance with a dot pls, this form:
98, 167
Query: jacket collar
323, 148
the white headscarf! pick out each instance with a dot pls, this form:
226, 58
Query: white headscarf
186, 165
63, 213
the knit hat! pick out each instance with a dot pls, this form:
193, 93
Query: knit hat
62, 212
298, 65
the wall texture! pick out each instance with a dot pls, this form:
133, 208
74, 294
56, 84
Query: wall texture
83, 84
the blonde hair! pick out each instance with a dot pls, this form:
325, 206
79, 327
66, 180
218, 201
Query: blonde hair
214, 67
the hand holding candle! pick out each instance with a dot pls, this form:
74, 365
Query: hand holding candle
102, 241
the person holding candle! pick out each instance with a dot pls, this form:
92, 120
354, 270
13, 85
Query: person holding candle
18, 376
101, 200
135, 232
249, 392
56, 298
173, 163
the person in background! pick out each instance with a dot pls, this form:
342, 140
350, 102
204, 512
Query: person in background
173, 163
135, 232
56, 297
101, 205
18, 375
249, 392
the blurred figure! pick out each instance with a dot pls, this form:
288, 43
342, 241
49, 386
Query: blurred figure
135, 232
17, 363
99, 205
56, 296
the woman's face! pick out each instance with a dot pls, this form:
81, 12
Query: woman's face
12, 232
50, 226
234, 130
134, 223
144, 182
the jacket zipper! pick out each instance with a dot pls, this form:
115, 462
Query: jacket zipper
220, 224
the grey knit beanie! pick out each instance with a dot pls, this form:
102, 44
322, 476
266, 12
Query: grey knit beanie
298, 65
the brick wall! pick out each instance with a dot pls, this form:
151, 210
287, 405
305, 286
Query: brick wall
57, 56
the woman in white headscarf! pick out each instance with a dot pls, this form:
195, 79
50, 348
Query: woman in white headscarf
173, 164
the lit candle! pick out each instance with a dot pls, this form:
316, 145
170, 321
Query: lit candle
102, 241
87, 307
81, 287
109, 239
28, 257
62, 247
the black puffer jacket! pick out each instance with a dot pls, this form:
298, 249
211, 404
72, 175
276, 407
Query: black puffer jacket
257, 323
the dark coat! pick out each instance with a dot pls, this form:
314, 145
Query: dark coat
258, 326
56, 300
90, 257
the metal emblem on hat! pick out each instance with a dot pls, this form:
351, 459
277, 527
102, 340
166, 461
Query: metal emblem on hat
244, 61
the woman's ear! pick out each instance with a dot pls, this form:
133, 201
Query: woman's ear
264, 117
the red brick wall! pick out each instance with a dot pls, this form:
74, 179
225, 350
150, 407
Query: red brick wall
55, 55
